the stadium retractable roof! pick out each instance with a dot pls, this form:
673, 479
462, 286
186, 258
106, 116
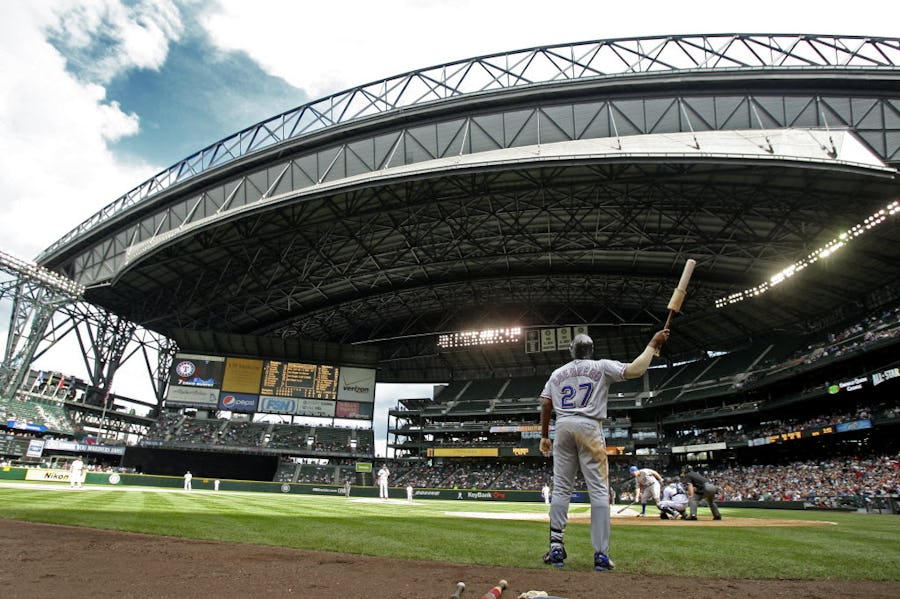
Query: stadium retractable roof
546, 187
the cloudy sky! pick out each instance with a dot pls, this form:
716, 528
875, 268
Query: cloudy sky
98, 95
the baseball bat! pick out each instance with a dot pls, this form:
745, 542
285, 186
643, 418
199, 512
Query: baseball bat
679, 293
460, 587
626, 507
495, 592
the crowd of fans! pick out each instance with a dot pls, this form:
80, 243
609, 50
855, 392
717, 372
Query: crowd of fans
820, 482
177, 429
783, 425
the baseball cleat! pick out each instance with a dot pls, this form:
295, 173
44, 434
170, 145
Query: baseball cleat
663, 516
555, 557
690, 517
602, 563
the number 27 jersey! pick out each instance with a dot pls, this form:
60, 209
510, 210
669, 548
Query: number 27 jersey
582, 387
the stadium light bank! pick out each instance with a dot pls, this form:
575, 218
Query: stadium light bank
823, 252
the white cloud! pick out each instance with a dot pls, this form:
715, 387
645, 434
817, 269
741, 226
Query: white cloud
323, 48
57, 168
109, 36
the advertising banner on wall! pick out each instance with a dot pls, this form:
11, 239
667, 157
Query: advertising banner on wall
277, 405
355, 410
47, 475
356, 384
319, 408
62, 445
238, 402
193, 397
35, 448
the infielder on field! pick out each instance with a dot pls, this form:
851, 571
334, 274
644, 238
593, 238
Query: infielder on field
383, 476
578, 393
646, 486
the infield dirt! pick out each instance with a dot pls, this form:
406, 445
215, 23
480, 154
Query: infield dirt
47, 561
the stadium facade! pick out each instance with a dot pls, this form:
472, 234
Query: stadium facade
545, 189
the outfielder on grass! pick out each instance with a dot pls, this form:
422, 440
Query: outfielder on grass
578, 393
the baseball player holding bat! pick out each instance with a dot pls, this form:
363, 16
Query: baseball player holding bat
578, 392
646, 486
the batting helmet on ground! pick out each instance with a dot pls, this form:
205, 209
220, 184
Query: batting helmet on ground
582, 347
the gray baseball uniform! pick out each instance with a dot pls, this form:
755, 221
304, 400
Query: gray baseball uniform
703, 489
647, 485
579, 392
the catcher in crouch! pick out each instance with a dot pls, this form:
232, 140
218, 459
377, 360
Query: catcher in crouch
578, 392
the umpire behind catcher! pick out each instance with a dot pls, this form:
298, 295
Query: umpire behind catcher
699, 488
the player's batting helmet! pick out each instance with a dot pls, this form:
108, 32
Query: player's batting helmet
582, 347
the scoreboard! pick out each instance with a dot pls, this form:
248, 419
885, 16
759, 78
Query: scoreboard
301, 381
13, 446
251, 385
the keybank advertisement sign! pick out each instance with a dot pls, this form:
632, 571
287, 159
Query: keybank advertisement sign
356, 384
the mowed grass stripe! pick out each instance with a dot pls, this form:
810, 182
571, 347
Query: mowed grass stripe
859, 547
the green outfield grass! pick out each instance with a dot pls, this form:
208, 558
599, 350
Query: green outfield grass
857, 547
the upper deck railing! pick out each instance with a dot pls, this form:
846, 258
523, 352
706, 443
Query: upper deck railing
516, 69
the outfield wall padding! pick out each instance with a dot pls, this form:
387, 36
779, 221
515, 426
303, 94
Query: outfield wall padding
202, 464
206, 483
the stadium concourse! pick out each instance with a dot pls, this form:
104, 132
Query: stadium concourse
457, 225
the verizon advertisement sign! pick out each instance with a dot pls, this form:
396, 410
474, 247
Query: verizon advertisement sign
356, 384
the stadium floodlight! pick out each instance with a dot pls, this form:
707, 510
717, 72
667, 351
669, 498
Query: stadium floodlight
823, 252
460, 339
34, 272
